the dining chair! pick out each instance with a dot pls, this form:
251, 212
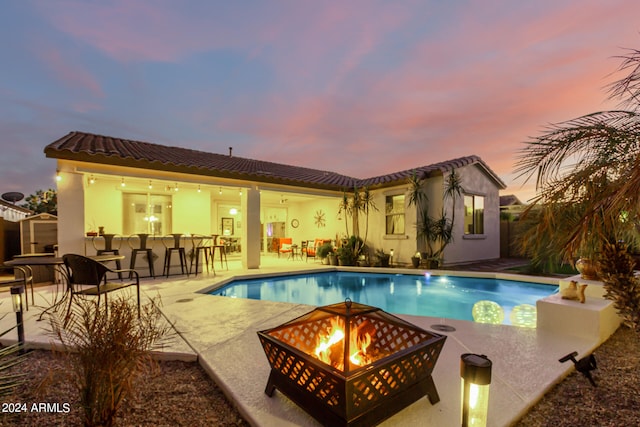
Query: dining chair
87, 277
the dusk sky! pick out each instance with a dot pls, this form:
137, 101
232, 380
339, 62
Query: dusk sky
362, 88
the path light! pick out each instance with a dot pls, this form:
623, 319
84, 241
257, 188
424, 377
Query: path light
16, 297
475, 373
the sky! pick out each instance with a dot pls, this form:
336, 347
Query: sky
362, 88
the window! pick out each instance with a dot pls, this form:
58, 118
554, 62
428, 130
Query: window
146, 213
394, 211
473, 214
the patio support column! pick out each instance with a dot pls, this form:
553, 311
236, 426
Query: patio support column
70, 212
250, 203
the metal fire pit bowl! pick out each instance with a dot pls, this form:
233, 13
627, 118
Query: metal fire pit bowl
342, 393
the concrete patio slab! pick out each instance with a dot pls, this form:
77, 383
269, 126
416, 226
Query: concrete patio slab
221, 333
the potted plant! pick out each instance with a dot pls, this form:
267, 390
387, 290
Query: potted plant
346, 255
383, 258
332, 257
323, 251
416, 259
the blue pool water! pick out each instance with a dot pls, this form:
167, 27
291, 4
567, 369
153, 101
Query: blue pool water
449, 297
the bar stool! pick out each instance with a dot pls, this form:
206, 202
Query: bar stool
223, 253
182, 255
201, 244
109, 249
141, 247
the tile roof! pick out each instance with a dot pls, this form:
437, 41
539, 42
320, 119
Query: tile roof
92, 148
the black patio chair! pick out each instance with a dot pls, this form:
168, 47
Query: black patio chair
88, 277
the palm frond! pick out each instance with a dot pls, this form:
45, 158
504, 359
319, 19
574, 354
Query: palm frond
593, 141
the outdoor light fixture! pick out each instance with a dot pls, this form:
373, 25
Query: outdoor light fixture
475, 373
584, 365
122, 184
240, 192
390, 257
150, 185
92, 180
16, 297
58, 176
199, 188
176, 187
220, 191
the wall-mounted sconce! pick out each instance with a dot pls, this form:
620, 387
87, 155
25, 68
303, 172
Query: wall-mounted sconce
150, 185
176, 187
220, 191
58, 176
475, 374
122, 183
199, 190
240, 192
92, 180
16, 297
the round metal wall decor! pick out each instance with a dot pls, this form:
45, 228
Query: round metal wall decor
295, 223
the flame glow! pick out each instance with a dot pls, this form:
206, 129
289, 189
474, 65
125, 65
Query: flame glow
330, 347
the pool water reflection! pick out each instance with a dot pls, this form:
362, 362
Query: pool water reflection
449, 297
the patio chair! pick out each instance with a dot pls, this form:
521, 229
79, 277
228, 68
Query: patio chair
88, 277
311, 250
284, 246
21, 276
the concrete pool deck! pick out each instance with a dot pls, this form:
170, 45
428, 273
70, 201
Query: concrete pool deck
220, 333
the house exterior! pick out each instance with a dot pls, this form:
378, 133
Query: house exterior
128, 187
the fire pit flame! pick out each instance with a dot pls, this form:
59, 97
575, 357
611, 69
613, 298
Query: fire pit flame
330, 347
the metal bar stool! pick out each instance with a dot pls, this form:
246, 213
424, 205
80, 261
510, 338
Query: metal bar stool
109, 249
141, 247
222, 247
182, 255
201, 245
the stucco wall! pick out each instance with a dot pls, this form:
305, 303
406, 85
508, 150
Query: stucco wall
466, 248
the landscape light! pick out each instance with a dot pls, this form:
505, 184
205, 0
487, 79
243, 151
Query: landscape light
475, 374
16, 297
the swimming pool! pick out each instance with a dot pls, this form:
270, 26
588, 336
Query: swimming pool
451, 297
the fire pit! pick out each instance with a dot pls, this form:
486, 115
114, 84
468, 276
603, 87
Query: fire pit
351, 364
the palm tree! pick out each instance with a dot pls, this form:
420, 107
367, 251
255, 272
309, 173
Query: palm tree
587, 173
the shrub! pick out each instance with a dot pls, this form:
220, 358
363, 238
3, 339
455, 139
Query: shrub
620, 283
106, 350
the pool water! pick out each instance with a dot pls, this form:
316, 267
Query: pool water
451, 297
